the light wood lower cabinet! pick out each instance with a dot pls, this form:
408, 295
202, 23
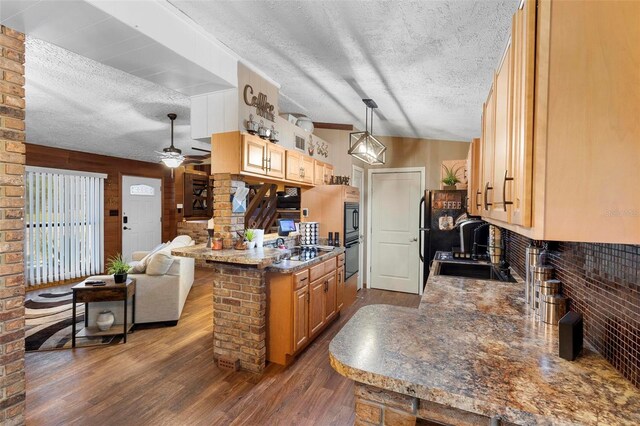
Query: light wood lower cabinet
300, 317
340, 288
300, 306
317, 303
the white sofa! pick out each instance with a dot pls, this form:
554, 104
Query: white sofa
159, 298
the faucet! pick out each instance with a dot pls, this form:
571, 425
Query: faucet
474, 249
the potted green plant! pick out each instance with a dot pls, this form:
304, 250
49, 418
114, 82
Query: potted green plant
118, 267
250, 236
450, 177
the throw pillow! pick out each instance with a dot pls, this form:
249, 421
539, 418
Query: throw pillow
141, 266
136, 267
159, 264
181, 241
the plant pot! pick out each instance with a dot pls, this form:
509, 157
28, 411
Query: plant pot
120, 278
105, 320
251, 244
449, 187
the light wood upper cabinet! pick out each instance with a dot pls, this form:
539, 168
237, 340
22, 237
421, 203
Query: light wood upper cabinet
488, 143
571, 154
307, 169
474, 189
258, 159
523, 58
294, 166
500, 193
275, 161
300, 168
322, 172
254, 155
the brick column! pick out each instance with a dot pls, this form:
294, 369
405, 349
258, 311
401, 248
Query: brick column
12, 288
239, 316
226, 222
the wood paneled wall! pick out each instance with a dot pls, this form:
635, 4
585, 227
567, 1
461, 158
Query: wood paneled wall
44, 156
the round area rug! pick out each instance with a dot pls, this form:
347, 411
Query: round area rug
48, 323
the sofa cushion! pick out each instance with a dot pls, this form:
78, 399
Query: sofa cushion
159, 263
140, 266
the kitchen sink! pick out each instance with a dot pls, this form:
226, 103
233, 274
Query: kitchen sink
471, 269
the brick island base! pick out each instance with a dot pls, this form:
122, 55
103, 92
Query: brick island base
375, 406
239, 316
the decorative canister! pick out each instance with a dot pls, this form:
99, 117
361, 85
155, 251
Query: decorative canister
531, 259
552, 308
216, 244
105, 320
541, 273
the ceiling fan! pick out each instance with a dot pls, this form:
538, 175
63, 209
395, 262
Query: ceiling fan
198, 159
171, 157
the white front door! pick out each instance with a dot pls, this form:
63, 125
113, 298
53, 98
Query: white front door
357, 180
395, 260
141, 214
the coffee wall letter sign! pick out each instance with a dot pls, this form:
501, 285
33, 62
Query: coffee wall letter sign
263, 108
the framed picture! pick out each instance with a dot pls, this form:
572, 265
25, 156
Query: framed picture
300, 143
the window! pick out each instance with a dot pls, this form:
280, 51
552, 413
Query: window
64, 220
142, 190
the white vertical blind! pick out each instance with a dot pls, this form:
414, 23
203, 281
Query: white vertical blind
64, 224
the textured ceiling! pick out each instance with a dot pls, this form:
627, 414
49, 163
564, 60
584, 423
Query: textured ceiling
428, 64
76, 103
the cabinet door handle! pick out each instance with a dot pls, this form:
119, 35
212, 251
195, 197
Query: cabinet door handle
504, 191
308, 298
487, 188
269, 163
478, 205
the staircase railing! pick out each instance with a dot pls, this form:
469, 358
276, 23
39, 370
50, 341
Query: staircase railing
262, 210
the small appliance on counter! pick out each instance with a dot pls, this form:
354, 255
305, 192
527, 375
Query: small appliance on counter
439, 211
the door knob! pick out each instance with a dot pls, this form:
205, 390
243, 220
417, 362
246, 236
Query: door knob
414, 239
127, 229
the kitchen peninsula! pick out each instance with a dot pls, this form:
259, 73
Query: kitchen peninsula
267, 307
470, 354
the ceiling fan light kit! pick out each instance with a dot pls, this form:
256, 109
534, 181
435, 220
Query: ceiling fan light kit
172, 157
363, 145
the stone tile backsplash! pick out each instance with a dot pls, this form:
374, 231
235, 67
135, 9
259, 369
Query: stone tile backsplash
602, 282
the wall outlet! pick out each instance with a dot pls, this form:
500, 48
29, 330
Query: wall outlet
305, 212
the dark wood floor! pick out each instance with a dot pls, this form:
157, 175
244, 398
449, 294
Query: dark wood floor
167, 376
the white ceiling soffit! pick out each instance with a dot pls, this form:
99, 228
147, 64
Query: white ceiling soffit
77, 103
148, 39
427, 64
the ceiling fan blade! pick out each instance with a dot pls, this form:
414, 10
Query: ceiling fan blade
200, 149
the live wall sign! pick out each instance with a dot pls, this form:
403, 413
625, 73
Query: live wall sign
263, 107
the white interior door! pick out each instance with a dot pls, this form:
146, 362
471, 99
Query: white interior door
141, 214
395, 260
357, 180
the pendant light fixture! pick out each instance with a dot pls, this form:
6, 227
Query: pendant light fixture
363, 145
171, 157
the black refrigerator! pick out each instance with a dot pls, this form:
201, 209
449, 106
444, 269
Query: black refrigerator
439, 211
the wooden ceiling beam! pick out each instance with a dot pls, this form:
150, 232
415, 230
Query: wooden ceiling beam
333, 126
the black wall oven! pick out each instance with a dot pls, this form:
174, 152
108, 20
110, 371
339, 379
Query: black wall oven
351, 239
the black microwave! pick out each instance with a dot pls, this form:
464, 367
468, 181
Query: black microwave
351, 222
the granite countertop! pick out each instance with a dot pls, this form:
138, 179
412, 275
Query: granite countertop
261, 257
473, 345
